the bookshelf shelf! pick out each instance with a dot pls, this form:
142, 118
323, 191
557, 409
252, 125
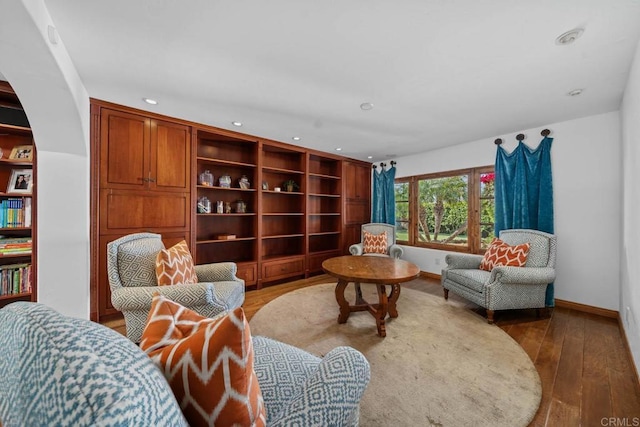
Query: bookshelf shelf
11, 297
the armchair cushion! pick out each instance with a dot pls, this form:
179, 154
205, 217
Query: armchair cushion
207, 362
174, 266
374, 243
500, 253
136, 260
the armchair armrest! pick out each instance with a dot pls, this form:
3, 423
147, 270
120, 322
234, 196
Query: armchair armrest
523, 275
331, 396
217, 272
139, 298
356, 249
395, 251
463, 261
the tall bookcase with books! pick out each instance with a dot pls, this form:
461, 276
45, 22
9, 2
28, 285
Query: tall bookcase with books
17, 202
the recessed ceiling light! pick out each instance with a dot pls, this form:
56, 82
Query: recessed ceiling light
296, 138
575, 92
570, 36
366, 106
237, 123
150, 101
369, 157
338, 149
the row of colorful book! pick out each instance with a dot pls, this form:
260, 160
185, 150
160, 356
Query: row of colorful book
15, 279
15, 245
15, 212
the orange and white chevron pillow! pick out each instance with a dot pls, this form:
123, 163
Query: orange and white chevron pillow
174, 266
374, 243
207, 362
500, 253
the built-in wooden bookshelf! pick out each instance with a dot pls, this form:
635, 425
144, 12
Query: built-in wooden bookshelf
324, 203
229, 233
17, 202
152, 173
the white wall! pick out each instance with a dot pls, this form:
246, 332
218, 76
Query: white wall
57, 106
630, 247
586, 162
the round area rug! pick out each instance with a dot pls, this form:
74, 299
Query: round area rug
439, 365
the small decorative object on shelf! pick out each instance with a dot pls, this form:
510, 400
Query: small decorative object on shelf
204, 205
225, 181
265, 185
227, 207
241, 206
22, 152
244, 182
290, 185
206, 178
219, 206
276, 189
20, 181
225, 236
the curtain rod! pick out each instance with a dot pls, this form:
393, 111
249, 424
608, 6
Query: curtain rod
520, 137
382, 165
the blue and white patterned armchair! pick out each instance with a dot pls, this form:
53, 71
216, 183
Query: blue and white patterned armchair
394, 251
504, 288
131, 268
60, 371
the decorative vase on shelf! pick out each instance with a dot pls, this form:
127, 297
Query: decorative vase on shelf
206, 178
204, 205
241, 206
225, 181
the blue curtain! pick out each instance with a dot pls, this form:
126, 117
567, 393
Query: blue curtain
524, 191
384, 196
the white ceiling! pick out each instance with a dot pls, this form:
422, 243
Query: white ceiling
439, 72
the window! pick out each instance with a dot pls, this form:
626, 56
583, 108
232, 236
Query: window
448, 210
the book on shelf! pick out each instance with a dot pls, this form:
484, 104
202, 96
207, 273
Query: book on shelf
15, 212
15, 279
15, 245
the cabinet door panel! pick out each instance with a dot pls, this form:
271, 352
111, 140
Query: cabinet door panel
352, 235
128, 211
357, 213
357, 181
171, 158
124, 150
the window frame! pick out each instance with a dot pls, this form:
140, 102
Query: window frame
474, 240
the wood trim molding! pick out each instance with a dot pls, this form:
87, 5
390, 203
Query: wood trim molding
428, 275
588, 309
623, 332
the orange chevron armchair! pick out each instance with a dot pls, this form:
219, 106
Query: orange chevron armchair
504, 287
131, 268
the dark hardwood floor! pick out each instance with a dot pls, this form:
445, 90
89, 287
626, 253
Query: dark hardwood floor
587, 376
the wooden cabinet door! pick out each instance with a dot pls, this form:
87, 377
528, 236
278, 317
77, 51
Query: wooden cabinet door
170, 157
357, 181
124, 150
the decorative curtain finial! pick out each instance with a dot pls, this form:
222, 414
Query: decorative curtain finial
545, 132
520, 137
498, 141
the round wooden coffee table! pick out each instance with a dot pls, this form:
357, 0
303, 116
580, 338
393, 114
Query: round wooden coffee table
382, 271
